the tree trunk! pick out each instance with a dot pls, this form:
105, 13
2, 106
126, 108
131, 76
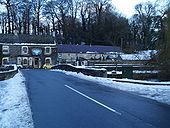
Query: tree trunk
20, 26
38, 22
8, 15
28, 21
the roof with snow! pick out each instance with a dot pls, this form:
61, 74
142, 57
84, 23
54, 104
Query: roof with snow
23, 38
64, 48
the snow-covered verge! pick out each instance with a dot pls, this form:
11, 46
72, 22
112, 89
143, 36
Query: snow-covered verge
161, 93
15, 109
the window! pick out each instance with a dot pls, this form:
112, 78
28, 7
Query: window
24, 50
47, 50
19, 60
5, 60
48, 60
5, 49
25, 61
30, 61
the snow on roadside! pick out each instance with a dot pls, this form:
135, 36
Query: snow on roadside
161, 93
15, 109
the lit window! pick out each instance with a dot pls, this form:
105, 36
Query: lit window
5, 60
24, 50
30, 61
47, 50
25, 61
5, 49
48, 60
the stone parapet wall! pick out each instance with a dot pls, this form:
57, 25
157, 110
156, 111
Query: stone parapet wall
86, 71
7, 75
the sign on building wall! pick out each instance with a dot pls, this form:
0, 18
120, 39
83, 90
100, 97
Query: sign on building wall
36, 51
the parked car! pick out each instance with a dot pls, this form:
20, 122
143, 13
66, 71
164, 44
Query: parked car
47, 66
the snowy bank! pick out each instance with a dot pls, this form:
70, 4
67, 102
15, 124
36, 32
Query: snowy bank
161, 93
140, 55
15, 109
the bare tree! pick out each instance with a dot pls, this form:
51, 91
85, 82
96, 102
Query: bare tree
147, 19
3, 21
49, 13
7, 4
37, 9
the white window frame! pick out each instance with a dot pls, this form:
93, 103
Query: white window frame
19, 60
5, 48
30, 61
49, 59
5, 58
22, 51
50, 51
23, 61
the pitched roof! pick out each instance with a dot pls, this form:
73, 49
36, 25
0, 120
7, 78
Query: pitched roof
23, 38
64, 48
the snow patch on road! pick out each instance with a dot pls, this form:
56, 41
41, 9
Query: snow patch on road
161, 93
15, 109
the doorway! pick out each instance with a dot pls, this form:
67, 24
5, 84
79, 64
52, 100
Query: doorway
37, 62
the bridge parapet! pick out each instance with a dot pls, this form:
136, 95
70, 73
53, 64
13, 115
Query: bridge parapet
86, 71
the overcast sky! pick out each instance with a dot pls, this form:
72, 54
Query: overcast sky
126, 7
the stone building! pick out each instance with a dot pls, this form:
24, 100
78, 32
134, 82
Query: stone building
85, 54
30, 51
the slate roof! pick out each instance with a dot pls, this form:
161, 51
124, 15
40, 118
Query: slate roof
23, 38
64, 48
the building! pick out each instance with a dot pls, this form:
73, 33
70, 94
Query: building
85, 54
30, 51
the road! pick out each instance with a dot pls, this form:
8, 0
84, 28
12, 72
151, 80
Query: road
63, 101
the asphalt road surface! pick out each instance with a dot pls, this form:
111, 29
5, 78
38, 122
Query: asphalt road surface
63, 101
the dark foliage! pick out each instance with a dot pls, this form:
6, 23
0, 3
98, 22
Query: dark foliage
164, 58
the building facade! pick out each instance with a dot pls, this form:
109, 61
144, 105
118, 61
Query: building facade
86, 54
28, 51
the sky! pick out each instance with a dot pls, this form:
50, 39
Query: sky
126, 7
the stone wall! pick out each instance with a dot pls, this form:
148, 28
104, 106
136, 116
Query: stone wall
7, 74
86, 71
